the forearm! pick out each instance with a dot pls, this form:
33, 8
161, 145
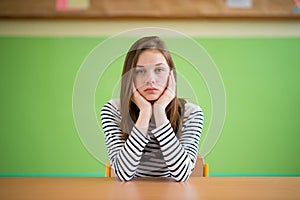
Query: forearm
127, 158
124, 155
180, 153
176, 157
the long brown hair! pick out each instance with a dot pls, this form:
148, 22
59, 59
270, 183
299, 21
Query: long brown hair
129, 111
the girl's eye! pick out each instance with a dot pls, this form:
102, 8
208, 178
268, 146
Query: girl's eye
159, 70
140, 71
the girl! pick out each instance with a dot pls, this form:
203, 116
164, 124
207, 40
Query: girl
149, 132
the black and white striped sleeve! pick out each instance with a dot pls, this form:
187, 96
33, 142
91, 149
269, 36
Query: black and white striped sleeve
180, 154
124, 155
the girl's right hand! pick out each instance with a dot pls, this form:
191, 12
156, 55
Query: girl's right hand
144, 105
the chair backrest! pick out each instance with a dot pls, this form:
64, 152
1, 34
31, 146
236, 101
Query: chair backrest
200, 169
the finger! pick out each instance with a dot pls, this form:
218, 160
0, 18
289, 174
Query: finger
133, 96
173, 75
172, 83
170, 80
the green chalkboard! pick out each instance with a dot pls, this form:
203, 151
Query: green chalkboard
39, 138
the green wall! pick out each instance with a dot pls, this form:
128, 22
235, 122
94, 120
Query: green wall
38, 134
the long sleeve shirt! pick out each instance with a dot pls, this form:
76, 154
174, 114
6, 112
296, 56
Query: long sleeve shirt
159, 154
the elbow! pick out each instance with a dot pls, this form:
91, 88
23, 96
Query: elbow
125, 179
181, 178
123, 176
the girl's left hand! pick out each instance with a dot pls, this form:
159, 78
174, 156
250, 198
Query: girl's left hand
169, 93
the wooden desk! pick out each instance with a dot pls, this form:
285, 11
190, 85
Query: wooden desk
109, 188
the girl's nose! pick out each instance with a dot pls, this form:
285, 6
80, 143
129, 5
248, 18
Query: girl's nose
150, 78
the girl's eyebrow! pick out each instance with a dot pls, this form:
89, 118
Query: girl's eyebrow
157, 64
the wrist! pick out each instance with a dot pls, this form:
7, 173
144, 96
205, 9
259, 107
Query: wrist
146, 113
160, 115
159, 107
143, 120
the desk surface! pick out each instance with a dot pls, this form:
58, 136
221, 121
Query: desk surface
110, 188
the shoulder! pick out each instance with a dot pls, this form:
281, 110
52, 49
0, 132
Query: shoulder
192, 109
113, 106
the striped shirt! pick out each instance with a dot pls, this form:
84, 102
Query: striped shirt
159, 154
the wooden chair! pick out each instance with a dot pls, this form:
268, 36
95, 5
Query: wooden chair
200, 170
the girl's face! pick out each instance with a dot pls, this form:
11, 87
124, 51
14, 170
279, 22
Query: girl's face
151, 74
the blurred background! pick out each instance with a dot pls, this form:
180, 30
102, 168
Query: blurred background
254, 43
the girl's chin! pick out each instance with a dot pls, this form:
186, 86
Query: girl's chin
151, 99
